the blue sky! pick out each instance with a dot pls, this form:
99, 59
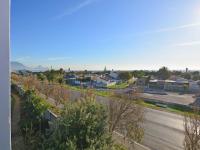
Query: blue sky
119, 34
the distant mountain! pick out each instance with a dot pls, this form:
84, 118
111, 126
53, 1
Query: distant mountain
39, 68
16, 66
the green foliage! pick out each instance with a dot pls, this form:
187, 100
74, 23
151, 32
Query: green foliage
61, 80
82, 125
139, 74
196, 75
125, 75
32, 122
163, 73
41, 76
119, 147
50, 75
177, 73
119, 86
84, 79
195, 78
187, 76
61, 71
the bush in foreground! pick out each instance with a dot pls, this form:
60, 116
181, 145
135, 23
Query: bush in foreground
32, 122
82, 125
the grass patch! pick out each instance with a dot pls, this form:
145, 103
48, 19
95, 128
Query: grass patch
96, 92
103, 93
119, 86
178, 109
119, 147
75, 88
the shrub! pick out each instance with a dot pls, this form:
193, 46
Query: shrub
32, 122
82, 125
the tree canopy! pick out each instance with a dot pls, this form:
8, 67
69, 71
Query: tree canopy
163, 73
125, 75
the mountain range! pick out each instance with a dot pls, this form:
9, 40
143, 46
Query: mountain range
17, 66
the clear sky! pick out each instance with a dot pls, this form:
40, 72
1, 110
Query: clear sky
119, 34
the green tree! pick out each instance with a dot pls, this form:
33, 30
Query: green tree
195, 78
82, 125
138, 74
61, 71
32, 123
196, 75
177, 73
41, 76
125, 75
187, 76
163, 73
61, 80
50, 75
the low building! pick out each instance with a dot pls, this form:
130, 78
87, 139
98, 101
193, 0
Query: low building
179, 85
194, 86
101, 82
156, 84
114, 75
169, 85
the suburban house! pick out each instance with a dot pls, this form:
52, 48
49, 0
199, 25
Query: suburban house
102, 82
114, 75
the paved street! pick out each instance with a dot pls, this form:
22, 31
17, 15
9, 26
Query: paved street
163, 130
168, 97
185, 99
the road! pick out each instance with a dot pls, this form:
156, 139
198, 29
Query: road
168, 97
163, 130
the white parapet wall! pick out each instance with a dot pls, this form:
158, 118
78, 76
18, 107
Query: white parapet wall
120, 139
49, 115
5, 115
